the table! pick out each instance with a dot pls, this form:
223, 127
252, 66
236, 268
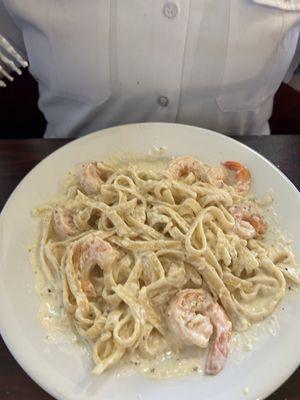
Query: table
17, 157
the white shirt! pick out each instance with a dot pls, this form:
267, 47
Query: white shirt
210, 63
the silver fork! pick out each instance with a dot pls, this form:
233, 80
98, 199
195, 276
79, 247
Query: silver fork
11, 62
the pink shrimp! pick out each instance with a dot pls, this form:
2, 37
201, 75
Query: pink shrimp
183, 166
88, 253
192, 316
217, 175
63, 221
93, 175
242, 176
248, 222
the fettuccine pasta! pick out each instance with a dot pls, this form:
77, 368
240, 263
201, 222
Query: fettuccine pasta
145, 261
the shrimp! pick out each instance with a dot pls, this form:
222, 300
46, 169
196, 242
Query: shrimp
63, 222
217, 175
193, 315
248, 222
88, 253
242, 176
93, 175
183, 166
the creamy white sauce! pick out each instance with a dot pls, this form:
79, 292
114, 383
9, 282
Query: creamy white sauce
51, 312
171, 364
243, 343
155, 161
174, 365
51, 315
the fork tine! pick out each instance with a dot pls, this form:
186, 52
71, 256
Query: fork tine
10, 50
10, 64
10, 61
6, 74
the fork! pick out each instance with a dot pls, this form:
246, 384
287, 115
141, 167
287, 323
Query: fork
9, 63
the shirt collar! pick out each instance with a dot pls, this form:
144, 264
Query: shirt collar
289, 5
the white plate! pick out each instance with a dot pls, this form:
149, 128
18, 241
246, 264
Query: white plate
66, 375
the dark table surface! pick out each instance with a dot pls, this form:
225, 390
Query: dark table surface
17, 157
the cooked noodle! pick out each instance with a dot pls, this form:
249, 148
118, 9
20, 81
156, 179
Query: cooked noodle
162, 235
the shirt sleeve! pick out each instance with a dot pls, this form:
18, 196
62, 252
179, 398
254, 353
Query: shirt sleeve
10, 31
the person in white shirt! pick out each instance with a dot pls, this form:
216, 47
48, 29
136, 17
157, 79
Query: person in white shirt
210, 63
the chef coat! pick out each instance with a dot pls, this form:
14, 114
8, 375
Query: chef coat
210, 63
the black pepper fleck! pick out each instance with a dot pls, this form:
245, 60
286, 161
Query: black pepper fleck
49, 290
152, 370
195, 369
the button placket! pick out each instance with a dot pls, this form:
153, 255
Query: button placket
174, 21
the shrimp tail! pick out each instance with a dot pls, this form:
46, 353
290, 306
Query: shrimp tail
242, 174
218, 354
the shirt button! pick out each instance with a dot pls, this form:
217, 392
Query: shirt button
170, 10
163, 101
